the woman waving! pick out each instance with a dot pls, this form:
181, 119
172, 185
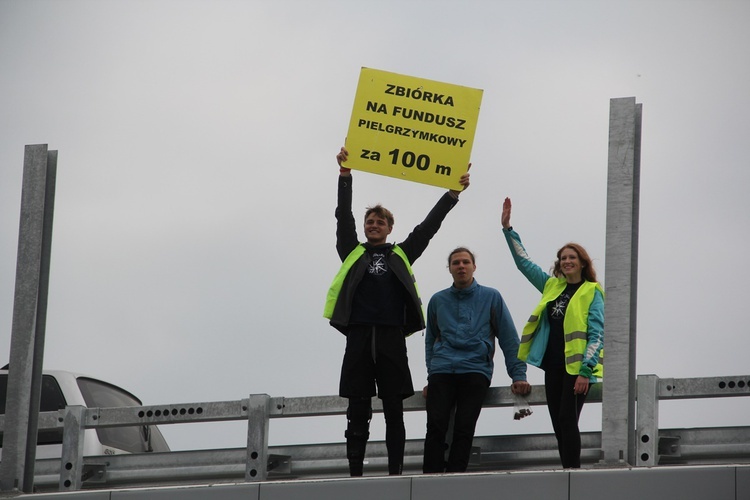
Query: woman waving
564, 335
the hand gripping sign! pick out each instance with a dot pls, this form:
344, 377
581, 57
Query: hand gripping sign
411, 128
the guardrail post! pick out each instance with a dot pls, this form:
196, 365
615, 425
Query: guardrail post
647, 429
71, 463
258, 417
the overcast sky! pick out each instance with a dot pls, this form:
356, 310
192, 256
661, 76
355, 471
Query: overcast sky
194, 232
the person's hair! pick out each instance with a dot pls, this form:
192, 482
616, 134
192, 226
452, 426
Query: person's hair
459, 250
381, 212
587, 267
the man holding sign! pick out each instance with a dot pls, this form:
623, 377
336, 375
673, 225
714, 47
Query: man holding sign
374, 301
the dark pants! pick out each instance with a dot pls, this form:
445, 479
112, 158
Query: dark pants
359, 414
465, 391
375, 357
564, 409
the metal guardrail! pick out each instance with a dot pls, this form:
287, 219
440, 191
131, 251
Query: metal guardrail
259, 462
651, 445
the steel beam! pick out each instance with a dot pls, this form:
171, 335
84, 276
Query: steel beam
29, 319
623, 182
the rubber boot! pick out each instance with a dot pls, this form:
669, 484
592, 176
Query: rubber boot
356, 443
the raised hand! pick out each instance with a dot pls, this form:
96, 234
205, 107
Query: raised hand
505, 218
464, 181
341, 157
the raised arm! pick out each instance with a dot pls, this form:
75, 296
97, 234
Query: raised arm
535, 274
346, 229
420, 237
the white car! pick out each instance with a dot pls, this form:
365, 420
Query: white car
61, 389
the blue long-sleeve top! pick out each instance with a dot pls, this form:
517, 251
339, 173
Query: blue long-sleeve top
462, 325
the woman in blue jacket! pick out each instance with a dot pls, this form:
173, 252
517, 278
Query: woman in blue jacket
564, 335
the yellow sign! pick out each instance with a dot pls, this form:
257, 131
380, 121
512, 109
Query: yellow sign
411, 128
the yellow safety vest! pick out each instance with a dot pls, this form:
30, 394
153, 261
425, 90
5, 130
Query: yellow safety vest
335, 290
575, 324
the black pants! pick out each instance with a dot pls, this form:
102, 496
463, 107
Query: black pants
375, 358
359, 414
564, 409
465, 391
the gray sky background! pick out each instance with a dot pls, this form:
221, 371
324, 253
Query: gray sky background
194, 231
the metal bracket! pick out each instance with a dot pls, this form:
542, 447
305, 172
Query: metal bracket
669, 446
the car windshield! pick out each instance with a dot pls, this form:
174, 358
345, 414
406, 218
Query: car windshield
134, 439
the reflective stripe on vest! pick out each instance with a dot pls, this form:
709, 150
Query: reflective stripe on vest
574, 324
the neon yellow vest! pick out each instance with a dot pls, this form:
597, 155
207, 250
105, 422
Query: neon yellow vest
335, 289
574, 324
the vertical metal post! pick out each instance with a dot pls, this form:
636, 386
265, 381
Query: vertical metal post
623, 185
71, 461
41, 322
647, 428
258, 418
29, 317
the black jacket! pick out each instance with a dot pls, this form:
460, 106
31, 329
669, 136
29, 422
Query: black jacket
413, 246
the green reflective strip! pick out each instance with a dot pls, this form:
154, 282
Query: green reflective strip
526, 338
335, 289
575, 336
533, 319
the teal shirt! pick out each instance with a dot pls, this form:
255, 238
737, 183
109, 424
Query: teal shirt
462, 325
